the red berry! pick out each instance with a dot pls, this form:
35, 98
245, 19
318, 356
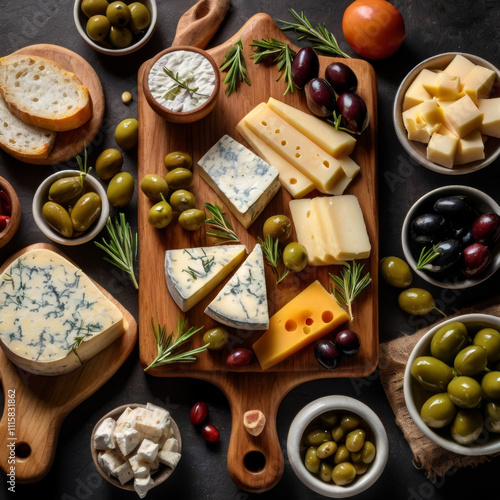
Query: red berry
198, 413
210, 433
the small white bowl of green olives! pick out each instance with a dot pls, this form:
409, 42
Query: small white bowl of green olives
115, 28
452, 384
55, 215
337, 446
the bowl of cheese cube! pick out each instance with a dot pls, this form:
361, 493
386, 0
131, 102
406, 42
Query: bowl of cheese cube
447, 113
136, 447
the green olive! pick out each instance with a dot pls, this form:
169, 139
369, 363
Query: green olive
179, 178
431, 373
178, 159
329, 418
368, 452
465, 392
154, 187
57, 217
98, 27
216, 338
181, 200
349, 422
121, 189
140, 17
342, 454
325, 472
360, 467
192, 219
118, 14
160, 215
447, 342
278, 227
65, 189
438, 411
86, 211
108, 163
295, 256
120, 37
492, 416
355, 440
338, 433
94, 7
490, 385
416, 301
326, 449
396, 272
317, 436
489, 338
471, 360
343, 473
312, 461
126, 133
467, 426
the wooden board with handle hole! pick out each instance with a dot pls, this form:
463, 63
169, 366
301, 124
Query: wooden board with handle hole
249, 388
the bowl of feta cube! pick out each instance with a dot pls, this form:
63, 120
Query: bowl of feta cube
446, 113
136, 447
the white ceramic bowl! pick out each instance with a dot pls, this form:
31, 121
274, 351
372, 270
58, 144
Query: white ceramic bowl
81, 22
483, 203
41, 196
295, 447
417, 150
415, 396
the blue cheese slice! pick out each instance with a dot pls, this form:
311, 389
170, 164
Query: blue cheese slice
192, 273
244, 182
242, 302
52, 316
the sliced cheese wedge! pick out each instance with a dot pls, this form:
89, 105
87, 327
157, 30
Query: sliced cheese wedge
192, 273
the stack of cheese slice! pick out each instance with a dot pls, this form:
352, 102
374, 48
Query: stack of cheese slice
53, 318
309, 153
331, 228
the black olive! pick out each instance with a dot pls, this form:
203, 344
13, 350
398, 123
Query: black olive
456, 207
427, 228
449, 253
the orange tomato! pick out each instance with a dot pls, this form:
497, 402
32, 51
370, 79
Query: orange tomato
374, 29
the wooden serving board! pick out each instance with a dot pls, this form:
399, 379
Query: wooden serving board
39, 404
69, 144
249, 388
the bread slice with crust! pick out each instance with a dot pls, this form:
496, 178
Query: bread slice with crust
43, 94
22, 141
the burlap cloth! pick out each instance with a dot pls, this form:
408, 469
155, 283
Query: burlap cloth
430, 457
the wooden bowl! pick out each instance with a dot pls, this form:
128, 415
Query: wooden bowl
180, 116
15, 219
160, 476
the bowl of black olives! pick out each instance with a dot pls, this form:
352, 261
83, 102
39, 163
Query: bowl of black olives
451, 237
452, 384
114, 27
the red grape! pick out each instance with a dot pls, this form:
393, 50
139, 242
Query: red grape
210, 433
198, 413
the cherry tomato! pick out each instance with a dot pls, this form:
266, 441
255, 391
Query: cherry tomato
374, 29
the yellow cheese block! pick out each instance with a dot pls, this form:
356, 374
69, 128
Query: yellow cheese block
443, 86
311, 314
470, 148
351, 169
459, 66
441, 149
462, 117
416, 92
415, 126
491, 116
479, 82
335, 142
295, 147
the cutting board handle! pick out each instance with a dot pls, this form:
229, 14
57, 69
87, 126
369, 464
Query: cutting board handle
198, 25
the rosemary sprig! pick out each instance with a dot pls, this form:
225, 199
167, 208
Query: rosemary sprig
121, 250
323, 40
180, 84
272, 254
221, 227
83, 165
237, 70
426, 257
349, 284
281, 53
168, 349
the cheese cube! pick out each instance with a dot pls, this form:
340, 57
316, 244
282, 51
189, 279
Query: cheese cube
431, 114
462, 117
124, 473
491, 116
142, 485
445, 86
351, 169
459, 66
470, 148
127, 438
148, 450
416, 93
415, 126
139, 465
171, 444
441, 149
479, 82
103, 436
169, 458
110, 461
149, 425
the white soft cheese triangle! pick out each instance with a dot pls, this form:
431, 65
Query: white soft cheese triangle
242, 303
192, 273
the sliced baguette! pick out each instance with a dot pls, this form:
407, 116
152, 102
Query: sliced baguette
43, 94
22, 141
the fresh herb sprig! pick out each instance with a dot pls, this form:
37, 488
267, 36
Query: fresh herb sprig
323, 40
349, 284
180, 85
272, 254
426, 257
237, 70
280, 53
168, 347
83, 164
121, 250
220, 226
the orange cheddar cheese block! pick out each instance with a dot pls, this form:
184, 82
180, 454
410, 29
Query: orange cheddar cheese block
307, 317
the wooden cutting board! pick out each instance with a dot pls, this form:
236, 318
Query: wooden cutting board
36, 406
250, 388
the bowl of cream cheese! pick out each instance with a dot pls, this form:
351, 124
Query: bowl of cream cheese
181, 84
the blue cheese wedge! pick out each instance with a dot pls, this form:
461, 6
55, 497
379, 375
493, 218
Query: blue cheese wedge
244, 182
52, 316
242, 302
192, 273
